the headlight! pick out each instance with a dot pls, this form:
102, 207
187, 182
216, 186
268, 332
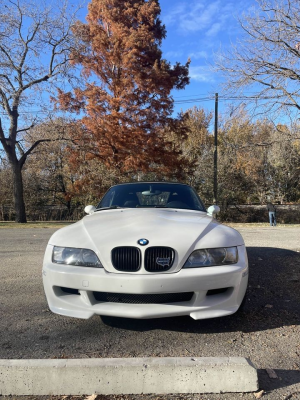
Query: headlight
212, 257
74, 256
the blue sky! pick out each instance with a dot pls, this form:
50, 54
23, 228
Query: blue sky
197, 29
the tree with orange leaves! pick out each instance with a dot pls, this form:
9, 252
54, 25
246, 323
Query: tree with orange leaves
125, 97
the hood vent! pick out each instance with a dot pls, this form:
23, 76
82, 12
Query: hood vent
127, 258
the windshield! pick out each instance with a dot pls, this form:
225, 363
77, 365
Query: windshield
152, 195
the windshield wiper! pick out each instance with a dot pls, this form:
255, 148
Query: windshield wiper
150, 206
108, 208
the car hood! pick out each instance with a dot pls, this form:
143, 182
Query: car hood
183, 230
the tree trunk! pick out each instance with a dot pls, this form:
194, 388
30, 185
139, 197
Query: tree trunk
18, 193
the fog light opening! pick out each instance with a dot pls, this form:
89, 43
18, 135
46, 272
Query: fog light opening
62, 291
213, 292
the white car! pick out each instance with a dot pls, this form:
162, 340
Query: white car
148, 250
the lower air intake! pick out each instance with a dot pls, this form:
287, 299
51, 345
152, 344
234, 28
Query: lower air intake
129, 298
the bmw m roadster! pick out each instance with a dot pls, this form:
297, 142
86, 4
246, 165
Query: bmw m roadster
147, 250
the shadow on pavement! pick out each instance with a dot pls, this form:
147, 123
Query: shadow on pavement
273, 299
31, 331
285, 379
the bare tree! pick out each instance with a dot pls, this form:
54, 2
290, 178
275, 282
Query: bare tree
35, 43
266, 58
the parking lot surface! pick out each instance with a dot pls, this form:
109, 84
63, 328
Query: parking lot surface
267, 331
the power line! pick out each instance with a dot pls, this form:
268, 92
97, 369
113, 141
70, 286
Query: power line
191, 95
225, 98
188, 101
245, 94
27, 112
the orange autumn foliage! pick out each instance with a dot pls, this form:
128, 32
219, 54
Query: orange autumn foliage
125, 97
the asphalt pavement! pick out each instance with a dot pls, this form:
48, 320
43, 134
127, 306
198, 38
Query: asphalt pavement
267, 331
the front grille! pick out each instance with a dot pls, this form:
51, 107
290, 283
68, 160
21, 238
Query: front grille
159, 259
129, 298
126, 259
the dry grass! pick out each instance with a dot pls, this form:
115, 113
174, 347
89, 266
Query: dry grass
61, 224
258, 225
48, 224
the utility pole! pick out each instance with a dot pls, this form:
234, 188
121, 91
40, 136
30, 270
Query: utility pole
216, 151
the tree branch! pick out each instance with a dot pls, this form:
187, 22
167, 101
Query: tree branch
35, 144
8, 81
26, 129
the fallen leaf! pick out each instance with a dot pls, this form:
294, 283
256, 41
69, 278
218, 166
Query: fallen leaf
259, 395
272, 374
268, 306
91, 397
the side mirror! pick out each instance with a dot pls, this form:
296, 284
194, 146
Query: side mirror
213, 210
90, 210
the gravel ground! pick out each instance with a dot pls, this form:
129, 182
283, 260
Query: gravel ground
267, 331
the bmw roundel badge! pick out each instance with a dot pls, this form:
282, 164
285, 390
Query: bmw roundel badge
143, 242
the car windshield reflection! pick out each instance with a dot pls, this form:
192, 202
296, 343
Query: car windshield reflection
151, 195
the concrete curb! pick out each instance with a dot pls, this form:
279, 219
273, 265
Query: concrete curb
127, 376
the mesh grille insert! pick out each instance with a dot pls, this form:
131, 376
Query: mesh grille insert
126, 258
129, 298
159, 259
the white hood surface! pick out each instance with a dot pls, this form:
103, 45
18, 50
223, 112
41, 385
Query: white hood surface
182, 230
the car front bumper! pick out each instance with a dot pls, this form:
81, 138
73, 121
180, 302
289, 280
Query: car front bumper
201, 281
